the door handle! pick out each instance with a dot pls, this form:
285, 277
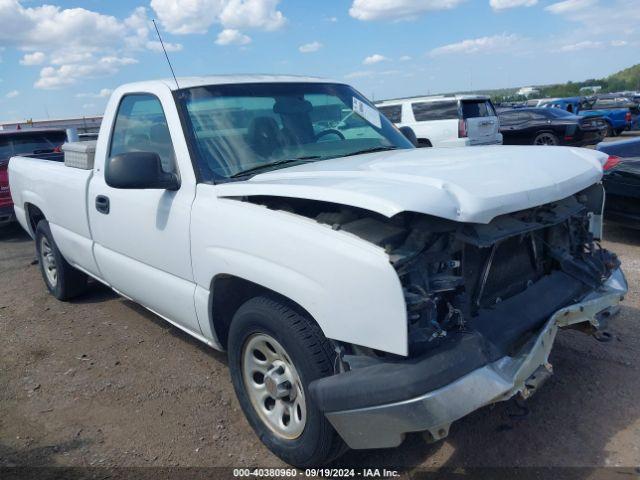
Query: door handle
102, 204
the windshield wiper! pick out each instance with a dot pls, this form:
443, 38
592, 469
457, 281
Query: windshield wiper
370, 150
266, 166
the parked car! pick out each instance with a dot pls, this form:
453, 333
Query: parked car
446, 121
19, 142
363, 288
622, 182
549, 126
617, 119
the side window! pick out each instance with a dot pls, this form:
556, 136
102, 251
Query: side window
392, 112
427, 111
141, 126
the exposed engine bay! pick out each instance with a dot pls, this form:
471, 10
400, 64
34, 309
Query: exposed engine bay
456, 275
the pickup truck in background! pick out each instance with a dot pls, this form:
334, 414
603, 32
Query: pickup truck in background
362, 287
24, 142
618, 119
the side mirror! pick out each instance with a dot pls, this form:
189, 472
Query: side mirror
139, 170
410, 135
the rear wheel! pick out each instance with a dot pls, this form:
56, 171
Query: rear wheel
63, 281
546, 138
274, 353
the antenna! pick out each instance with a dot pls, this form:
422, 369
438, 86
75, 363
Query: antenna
165, 53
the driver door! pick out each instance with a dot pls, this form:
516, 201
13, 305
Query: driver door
142, 244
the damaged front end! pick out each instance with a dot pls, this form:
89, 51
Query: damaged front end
484, 302
456, 276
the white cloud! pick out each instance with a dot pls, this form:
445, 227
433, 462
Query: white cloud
494, 43
74, 42
258, 14
310, 47
35, 58
619, 17
230, 36
397, 9
197, 16
156, 46
591, 45
405, 58
88, 105
375, 58
103, 93
568, 6
504, 4
141, 29
12, 94
69, 74
587, 44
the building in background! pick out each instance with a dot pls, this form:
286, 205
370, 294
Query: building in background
81, 124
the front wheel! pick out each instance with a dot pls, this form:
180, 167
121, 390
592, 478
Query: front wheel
546, 138
63, 281
274, 353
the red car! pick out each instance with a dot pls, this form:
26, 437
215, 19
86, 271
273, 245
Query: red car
21, 142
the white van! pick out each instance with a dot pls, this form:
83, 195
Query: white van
446, 121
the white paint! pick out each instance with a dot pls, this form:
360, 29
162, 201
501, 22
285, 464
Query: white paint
163, 249
462, 184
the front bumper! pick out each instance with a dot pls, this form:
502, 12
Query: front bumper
384, 426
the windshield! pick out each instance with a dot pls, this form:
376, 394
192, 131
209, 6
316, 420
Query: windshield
245, 129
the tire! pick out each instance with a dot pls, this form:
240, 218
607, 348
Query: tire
609, 131
424, 143
301, 353
546, 138
63, 281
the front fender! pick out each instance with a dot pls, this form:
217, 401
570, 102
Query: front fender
346, 284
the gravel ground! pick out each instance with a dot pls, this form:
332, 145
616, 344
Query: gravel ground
102, 382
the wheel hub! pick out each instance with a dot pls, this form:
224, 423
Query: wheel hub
273, 386
277, 381
48, 260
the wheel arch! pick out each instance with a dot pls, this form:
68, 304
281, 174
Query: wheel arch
537, 133
229, 292
33, 215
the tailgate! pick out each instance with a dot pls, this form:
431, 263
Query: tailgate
482, 122
5, 194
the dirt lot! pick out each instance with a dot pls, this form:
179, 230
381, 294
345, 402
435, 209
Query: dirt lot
101, 382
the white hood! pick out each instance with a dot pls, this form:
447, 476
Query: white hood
470, 184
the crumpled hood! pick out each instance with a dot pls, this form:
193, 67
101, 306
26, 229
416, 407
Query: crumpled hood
468, 184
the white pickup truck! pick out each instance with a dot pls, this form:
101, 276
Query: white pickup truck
363, 288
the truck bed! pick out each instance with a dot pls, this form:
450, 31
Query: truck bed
60, 192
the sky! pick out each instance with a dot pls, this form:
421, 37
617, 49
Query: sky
63, 58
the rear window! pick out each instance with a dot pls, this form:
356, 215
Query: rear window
392, 112
427, 111
477, 109
28, 143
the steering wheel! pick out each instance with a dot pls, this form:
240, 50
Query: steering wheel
330, 131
